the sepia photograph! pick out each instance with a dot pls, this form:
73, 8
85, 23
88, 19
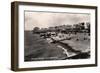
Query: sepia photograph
56, 36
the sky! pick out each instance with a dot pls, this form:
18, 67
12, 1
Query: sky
50, 19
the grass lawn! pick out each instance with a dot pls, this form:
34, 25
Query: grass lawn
78, 43
37, 48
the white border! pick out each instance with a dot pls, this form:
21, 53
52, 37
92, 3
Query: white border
34, 64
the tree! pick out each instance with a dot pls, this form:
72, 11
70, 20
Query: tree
36, 29
82, 26
88, 27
